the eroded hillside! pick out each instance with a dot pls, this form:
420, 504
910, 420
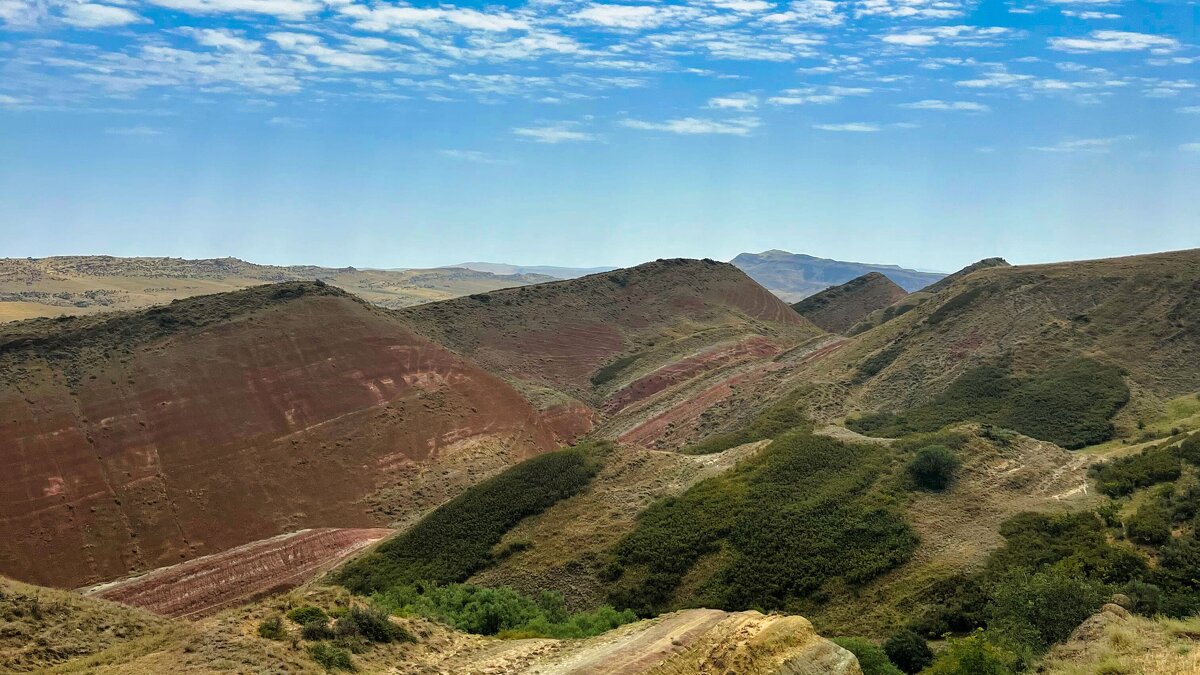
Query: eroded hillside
131, 441
839, 308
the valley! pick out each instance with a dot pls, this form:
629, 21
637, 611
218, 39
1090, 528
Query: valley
659, 469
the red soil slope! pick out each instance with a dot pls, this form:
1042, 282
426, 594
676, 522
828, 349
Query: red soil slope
134, 441
202, 586
630, 322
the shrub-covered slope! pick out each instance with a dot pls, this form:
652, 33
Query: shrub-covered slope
839, 308
1140, 315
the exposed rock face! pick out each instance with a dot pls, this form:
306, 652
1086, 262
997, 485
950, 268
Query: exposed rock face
837, 309
135, 441
204, 585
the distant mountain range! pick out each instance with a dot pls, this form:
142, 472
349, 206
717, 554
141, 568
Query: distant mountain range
794, 276
791, 276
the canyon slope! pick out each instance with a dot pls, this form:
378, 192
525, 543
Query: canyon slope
131, 441
73, 285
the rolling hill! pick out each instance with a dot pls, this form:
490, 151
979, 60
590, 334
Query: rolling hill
72, 285
133, 440
794, 276
839, 308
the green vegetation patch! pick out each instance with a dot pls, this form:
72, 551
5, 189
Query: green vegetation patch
456, 540
610, 371
774, 531
1124, 475
781, 417
500, 611
1071, 404
871, 658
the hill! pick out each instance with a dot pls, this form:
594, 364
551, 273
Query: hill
135, 440
1026, 336
795, 276
952, 279
618, 344
32, 287
839, 308
549, 270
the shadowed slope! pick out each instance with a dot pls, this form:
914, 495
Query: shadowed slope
837, 309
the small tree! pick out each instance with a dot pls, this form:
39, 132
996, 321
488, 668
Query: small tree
870, 657
972, 655
908, 651
934, 467
271, 629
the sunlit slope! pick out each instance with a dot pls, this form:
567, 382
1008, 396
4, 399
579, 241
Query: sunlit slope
130, 441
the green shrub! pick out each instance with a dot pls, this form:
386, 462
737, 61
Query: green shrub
330, 657
781, 524
1124, 475
781, 417
933, 468
611, 370
1189, 450
1035, 611
307, 614
1071, 404
317, 630
456, 540
499, 611
374, 625
1151, 524
908, 651
972, 655
871, 658
271, 629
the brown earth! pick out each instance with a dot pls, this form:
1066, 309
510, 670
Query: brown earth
839, 308
207, 584
133, 441
628, 322
62, 632
71, 285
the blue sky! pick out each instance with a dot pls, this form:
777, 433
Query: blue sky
928, 133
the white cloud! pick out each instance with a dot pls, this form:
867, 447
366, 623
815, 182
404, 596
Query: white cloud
10, 101
697, 126
1190, 147
285, 9
934, 104
474, 156
88, 15
1090, 15
734, 102
816, 95
815, 12
139, 130
394, 17
1190, 110
904, 9
853, 127
634, 17
558, 132
972, 36
1115, 41
287, 122
222, 38
1094, 145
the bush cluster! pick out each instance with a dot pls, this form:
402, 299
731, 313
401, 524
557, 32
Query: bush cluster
330, 657
499, 611
307, 614
1071, 405
871, 658
933, 468
908, 651
271, 629
1124, 475
784, 523
456, 540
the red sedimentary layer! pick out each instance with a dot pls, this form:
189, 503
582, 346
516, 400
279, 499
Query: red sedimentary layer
281, 419
205, 585
685, 369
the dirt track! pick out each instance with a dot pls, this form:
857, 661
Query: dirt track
205, 585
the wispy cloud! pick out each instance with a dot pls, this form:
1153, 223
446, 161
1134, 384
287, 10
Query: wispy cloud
142, 131
475, 156
690, 126
557, 132
934, 104
852, 127
1095, 145
89, 15
734, 102
1190, 147
1115, 41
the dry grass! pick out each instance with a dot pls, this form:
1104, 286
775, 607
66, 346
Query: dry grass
1114, 645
